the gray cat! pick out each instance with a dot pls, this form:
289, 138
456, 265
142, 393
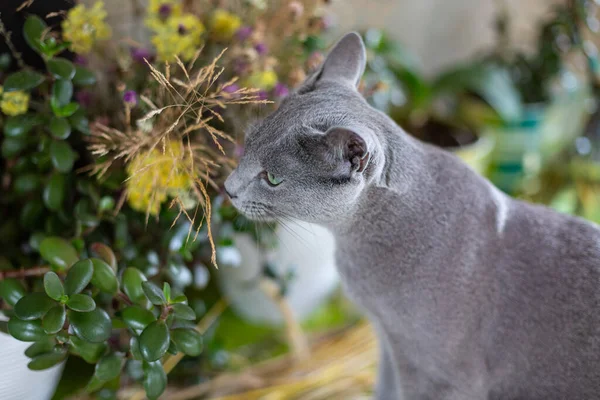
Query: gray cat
473, 295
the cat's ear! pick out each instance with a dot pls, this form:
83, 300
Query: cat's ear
347, 148
345, 63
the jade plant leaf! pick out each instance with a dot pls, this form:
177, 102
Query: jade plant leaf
105, 253
11, 290
104, 277
58, 252
41, 347
79, 276
59, 128
20, 125
47, 360
155, 379
54, 319
109, 367
132, 285
26, 331
61, 68
188, 341
134, 348
62, 156
154, 294
81, 302
23, 80
53, 286
93, 326
154, 341
62, 91
54, 192
137, 318
184, 311
33, 29
90, 352
83, 76
33, 306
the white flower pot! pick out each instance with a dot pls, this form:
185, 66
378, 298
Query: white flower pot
306, 248
17, 382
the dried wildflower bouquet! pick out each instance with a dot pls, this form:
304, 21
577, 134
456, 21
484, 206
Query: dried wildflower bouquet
112, 157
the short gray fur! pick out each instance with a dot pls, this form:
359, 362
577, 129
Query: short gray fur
473, 295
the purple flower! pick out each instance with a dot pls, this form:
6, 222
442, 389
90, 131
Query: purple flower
164, 11
281, 90
238, 151
139, 54
130, 97
262, 95
261, 49
80, 60
84, 98
243, 33
231, 88
240, 67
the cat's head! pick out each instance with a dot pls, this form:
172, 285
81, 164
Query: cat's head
311, 158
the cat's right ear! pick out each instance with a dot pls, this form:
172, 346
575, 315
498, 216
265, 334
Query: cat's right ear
344, 64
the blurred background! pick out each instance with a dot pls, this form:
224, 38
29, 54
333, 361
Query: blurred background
510, 86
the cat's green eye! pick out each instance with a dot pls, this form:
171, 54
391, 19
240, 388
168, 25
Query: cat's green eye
273, 180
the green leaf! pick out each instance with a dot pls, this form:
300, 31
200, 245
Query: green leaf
109, 367
132, 285
179, 299
80, 122
155, 379
154, 294
62, 156
90, 352
105, 253
172, 348
33, 29
53, 286
154, 341
41, 347
54, 319
188, 341
137, 318
58, 252
54, 192
47, 360
11, 290
23, 80
59, 128
61, 68
33, 306
184, 311
167, 291
104, 277
62, 91
64, 111
11, 147
81, 302
83, 76
5, 61
26, 331
134, 348
20, 125
26, 183
93, 326
79, 276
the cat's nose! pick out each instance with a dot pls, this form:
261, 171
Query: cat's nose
227, 187
229, 194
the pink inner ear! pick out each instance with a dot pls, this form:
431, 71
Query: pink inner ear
364, 162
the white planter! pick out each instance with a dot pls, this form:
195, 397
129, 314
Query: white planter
17, 382
308, 249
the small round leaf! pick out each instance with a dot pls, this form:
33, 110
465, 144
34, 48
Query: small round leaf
19, 125
62, 156
62, 91
83, 76
105, 253
154, 341
54, 319
58, 252
11, 290
41, 347
59, 128
109, 367
23, 80
90, 352
81, 302
53, 286
79, 276
188, 341
134, 348
184, 311
54, 192
154, 294
137, 318
33, 306
155, 379
61, 68
33, 30
26, 331
47, 360
93, 326
132, 285
104, 277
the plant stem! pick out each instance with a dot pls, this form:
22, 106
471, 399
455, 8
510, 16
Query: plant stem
123, 297
23, 273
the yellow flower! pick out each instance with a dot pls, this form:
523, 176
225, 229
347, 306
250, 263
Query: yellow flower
225, 24
14, 103
180, 36
156, 175
83, 27
265, 80
159, 12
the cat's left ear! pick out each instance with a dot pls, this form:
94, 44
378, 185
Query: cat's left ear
348, 148
345, 64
